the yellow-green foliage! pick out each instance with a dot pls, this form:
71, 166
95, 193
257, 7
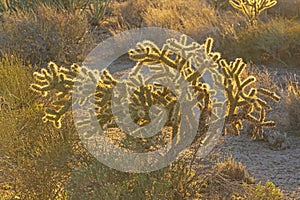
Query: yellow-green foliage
252, 8
46, 35
244, 103
267, 191
35, 157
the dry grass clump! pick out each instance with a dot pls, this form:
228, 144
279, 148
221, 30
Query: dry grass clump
46, 35
291, 104
195, 18
225, 181
230, 180
234, 171
275, 42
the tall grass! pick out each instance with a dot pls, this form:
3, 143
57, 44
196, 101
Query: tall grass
35, 157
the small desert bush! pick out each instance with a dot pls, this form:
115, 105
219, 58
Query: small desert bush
291, 104
267, 191
230, 179
96, 181
46, 35
234, 171
35, 158
275, 42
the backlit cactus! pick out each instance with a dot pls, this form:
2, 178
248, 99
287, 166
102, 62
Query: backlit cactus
60, 81
252, 8
244, 105
176, 60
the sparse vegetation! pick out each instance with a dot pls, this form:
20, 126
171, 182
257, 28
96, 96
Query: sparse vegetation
42, 161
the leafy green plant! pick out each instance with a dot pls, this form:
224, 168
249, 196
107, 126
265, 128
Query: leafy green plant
252, 8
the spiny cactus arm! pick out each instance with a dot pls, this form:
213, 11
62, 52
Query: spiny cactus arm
236, 4
241, 104
151, 55
51, 78
215, 56
64, 82
268, 94
265, 4
59, 80
245, 6
55, 115
252, 8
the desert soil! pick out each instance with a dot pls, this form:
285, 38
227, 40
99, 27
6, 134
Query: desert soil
282, 167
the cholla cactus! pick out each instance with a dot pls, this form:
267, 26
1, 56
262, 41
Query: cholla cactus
242, 105
252, 8
59, 80
174, 61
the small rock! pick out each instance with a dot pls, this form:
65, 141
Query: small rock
277, 140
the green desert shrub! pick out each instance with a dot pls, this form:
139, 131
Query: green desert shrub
15, 79
267, 191
35, 157
275, 42
45, 35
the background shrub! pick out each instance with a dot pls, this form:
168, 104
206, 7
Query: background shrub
285, 8
46, 35
197, 19
272, 43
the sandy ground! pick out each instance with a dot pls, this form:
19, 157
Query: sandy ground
282, 167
